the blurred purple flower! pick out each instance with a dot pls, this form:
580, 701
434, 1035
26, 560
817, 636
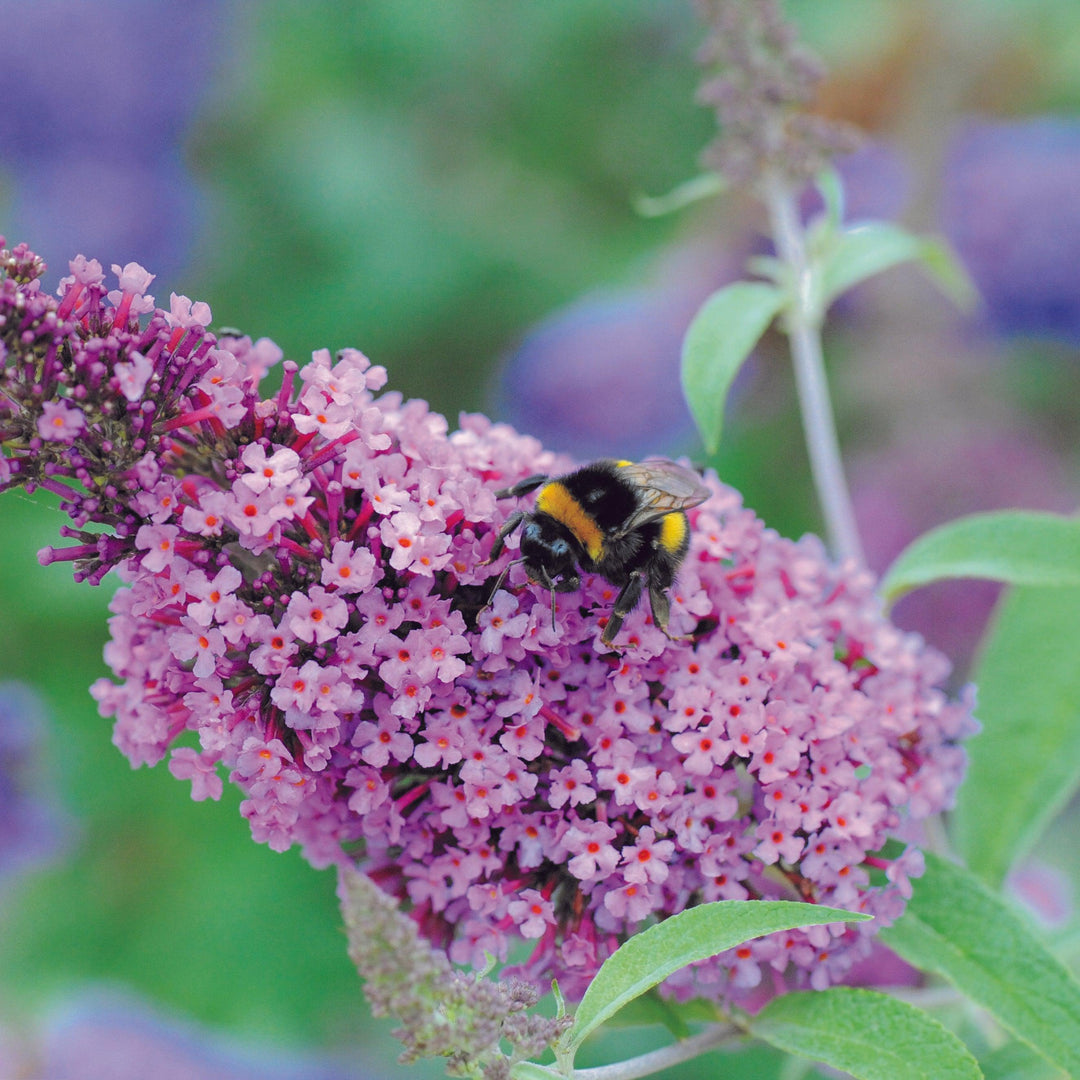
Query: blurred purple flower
1011, 207
98, 98
33, 823
877, 182
105, 1035
601, 376
927, 480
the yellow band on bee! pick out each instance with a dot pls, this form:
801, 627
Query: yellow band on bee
555, 501
673, 531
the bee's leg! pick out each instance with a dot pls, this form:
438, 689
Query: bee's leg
625, 602
522, 487
661, 611
512, 522
661, 606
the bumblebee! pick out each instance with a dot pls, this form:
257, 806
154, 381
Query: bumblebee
623, 520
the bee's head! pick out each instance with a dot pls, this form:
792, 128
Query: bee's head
547, 548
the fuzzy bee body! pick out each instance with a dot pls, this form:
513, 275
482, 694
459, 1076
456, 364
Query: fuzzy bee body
623, 520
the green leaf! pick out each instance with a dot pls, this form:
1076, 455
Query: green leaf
771, 268
1024, 765
686, 193
695, 934
529, 1070
955, 926
869, 1034
831, 187
861, 251
1017, 546
948, 273
1015, 1061
722, 335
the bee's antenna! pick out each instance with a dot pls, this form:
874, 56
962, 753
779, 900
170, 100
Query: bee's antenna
499, 582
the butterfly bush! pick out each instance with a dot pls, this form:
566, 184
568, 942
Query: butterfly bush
306, 611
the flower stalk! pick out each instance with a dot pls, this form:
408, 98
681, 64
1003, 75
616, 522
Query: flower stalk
760, 82
803, 324
664, 1058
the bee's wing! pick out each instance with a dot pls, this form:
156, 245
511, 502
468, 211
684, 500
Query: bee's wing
662, 487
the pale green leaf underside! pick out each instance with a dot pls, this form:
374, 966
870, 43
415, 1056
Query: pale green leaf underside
955, 926
861, 251
831, 188
1016, 546
718, 341
529, 1070
869, 1034
695, 934
686, 193
1024, 766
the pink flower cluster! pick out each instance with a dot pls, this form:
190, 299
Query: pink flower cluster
307, 611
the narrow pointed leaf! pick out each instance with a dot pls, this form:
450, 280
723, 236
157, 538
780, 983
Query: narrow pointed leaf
861, 251
695, 934
955, 926
1016, 546
686, 193
869, 1034
947, 271
769, 267
831, 188
1024, 766
722, 335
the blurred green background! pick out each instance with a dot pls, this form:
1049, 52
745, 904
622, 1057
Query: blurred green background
431, 182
